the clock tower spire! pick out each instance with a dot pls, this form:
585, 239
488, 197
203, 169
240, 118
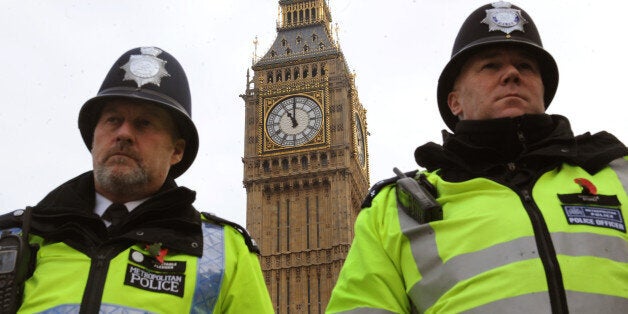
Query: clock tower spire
305, 158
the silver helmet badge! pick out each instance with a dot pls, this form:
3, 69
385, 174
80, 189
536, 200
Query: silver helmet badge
504, 18
146, 67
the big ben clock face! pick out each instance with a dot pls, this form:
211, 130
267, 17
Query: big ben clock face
294, 121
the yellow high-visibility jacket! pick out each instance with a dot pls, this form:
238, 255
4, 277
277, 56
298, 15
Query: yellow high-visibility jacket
167, 258
540, 235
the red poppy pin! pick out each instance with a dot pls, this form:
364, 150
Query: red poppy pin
156, 251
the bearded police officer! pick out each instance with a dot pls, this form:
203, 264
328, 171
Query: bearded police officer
124, 237
526, 218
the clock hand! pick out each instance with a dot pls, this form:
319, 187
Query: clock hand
294, 113
292, 118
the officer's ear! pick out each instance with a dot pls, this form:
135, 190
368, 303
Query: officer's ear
177, 153
453, 101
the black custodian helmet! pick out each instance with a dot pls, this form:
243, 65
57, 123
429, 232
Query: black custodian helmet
151, 74
499, 23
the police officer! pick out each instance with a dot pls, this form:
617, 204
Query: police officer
124, 237
533, 218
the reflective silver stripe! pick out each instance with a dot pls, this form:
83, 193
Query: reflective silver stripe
529, 303
425, 253
590, 244
578, 302
211, 269
366, 311
445, 276
438, 277
620, 166
104, 308
69, 309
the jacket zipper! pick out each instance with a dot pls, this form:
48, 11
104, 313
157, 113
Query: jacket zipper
544, 244
547, 253
92, 296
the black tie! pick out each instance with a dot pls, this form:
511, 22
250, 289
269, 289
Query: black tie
115, 213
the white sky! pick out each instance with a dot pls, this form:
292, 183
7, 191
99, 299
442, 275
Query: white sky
55, 55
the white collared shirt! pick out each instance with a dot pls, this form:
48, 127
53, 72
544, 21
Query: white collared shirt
102, 203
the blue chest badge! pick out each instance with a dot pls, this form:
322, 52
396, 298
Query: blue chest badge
595, 216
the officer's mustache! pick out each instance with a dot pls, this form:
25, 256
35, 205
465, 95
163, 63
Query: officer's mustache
124, 149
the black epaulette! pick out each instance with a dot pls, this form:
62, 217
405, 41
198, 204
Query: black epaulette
380, 185
250, 243
12, 219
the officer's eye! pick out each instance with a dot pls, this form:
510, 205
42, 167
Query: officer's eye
143, 123
113, 120
525, 66
490, 65
528, 66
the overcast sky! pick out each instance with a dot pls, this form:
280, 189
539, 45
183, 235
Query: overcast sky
55, 55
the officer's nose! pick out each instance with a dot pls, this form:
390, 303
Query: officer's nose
511, 75
124, 132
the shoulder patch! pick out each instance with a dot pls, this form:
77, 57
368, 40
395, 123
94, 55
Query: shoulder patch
380, 185
250, 242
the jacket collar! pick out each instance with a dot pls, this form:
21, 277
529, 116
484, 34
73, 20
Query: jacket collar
539, 141
66, 215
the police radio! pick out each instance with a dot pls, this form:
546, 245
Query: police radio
416, 201
15, 265
11, 250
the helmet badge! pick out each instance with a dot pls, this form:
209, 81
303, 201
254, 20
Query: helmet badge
146, 67
504, 18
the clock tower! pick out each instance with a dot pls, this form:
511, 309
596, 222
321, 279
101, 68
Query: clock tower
305, 158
